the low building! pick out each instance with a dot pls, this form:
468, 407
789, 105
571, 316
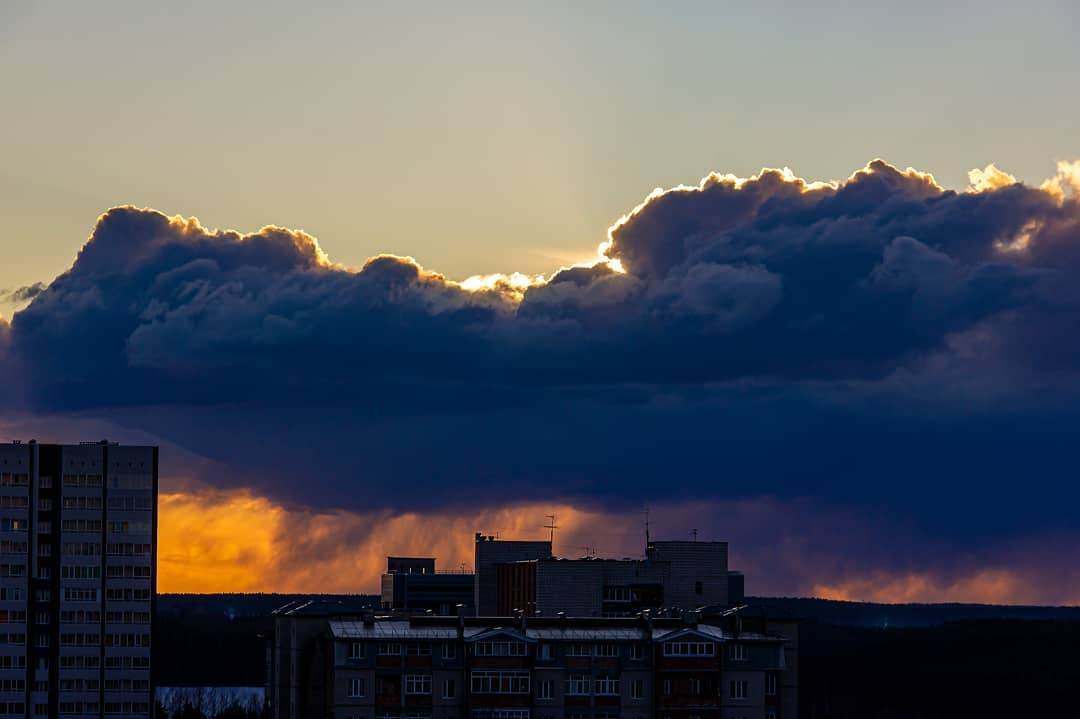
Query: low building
672, 575
412, 584
727, 666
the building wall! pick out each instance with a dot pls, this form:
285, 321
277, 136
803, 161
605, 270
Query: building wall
699, 685
487, 554
78, 525
297, 690
699, 572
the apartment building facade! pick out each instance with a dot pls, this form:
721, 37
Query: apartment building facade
546, 668
78, 528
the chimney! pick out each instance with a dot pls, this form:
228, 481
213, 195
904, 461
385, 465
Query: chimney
461, 620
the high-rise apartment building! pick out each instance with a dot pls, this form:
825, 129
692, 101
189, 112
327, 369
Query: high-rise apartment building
78, 528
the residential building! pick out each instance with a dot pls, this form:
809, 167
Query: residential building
672, 575
78, 528
488, 554
360, 666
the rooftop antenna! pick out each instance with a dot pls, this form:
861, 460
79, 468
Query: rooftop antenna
589, 551
552, 526
693, 533
647, 538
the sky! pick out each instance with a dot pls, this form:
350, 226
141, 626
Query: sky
862, 375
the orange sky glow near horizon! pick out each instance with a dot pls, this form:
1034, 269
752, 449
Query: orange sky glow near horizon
235, 541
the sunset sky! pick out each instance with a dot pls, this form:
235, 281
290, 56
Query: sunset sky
862, 375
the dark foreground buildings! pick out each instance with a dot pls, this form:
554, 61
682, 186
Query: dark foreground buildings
412, 584
733, 665
663, 637
77, 579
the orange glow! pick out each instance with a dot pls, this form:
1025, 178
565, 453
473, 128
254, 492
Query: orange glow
985, 586
234, 541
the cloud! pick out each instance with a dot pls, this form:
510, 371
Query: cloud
213, 540
22, 294
876, 344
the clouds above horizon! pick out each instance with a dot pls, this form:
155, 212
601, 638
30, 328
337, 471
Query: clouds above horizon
880, 345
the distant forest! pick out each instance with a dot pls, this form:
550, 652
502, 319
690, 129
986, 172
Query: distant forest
857, 660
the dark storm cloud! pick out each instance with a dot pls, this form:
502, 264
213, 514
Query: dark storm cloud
870, 343
766, 277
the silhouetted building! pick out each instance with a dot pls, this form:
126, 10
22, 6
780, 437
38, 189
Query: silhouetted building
367, 667
736, 588
490, 552
411, 584
77, 579
673, 575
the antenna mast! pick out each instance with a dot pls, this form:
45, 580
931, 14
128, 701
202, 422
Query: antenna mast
552, 526
647, 538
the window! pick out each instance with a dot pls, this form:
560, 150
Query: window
579, 650
356, 650
667, 687
544, 652
389, 649
738, 652
449, 651
637, 652
617, 594
770, 684
637, 689
577, 685
689, 649
770, 714
544, 689
500, 682
449, 689
607, 650
357, 688
500, 649
607, 685
416, 649
740, 689
500, 714
418, 684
